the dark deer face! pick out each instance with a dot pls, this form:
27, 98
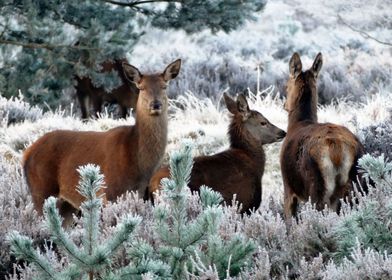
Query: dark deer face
253, 123
152, 88
298, 80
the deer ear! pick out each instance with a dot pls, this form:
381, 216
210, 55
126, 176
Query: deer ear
131, 73
243, 107
316, 67
230, 104
172, 70
295, 65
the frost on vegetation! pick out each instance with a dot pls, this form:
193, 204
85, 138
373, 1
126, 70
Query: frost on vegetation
188, 234
361, 264
317, 245
183, 246
91, 258
16, 110
377, 139
354, 66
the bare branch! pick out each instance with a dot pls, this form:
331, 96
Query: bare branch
43, 46
141, 2
362, 33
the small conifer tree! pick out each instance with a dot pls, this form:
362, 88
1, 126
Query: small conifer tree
189, 245
369, 225
91, 257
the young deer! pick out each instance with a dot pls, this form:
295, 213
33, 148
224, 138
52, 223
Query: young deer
127, 155
125, 95
239, 169
318, 160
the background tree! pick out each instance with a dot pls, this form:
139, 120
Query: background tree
43, 44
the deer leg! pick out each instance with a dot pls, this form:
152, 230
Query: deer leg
97, 106
123, 112
83, 106
290, 205
66, 211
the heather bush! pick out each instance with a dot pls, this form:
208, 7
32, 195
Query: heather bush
15, 110
16, 210
362, 264
377, 139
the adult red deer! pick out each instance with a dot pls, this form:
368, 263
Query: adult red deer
125, 95
127, 155
239, 169
318, 160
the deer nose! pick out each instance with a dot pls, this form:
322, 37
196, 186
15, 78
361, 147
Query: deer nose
282, 134
156, 105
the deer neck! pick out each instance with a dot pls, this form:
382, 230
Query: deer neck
245, 142
306, 110
152, 140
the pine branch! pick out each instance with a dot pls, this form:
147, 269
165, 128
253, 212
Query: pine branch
44, 46
22, 247
363, 33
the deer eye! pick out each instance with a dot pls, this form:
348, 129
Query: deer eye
263, 123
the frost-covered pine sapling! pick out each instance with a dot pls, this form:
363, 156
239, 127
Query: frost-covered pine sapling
91, 257
183, 240
370, 224
376, 168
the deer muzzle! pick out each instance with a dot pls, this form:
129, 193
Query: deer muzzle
155, 107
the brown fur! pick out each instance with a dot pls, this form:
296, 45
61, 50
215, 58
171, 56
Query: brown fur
318, 160
239, 169
125, 95
127, 155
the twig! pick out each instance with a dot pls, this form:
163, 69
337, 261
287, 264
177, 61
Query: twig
141, 2
362, 33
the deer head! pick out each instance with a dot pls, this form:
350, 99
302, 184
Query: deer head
253, 125
152, 88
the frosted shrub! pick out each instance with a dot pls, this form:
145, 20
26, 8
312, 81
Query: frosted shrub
269, 231
312, 234
377, 139
361, 264
16, 210
16, 110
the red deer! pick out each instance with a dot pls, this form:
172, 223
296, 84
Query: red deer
125, 95
318, 160
127, 155
239, 169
